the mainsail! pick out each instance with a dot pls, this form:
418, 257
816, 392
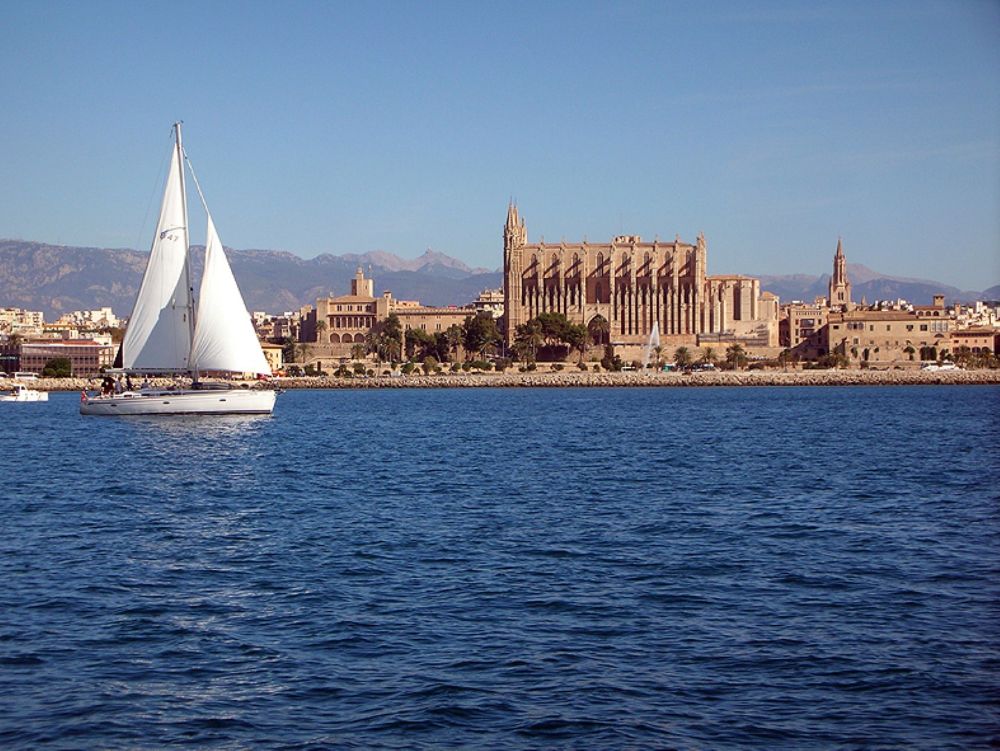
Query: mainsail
159, 330
224, 337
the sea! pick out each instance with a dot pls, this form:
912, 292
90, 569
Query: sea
630, 568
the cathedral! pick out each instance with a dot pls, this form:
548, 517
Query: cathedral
628, 285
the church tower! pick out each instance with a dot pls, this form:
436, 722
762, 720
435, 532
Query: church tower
515, 234
840, 288
515, 237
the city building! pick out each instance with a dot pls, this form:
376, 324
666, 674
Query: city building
273, 353
629, 284
975, 341
803, 329
21, 322
86, 357
336, 325
490, 301
886, 336
89, 319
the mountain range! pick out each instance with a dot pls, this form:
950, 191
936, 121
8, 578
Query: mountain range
58, 278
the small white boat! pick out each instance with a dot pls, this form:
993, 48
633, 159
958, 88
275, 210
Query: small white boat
171, 331
21, 393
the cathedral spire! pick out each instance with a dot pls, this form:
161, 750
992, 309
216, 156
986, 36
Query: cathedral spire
511, 214
514, 232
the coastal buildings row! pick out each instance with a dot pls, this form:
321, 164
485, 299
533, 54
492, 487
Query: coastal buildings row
84, 338
620, 290
887, 333
338, 325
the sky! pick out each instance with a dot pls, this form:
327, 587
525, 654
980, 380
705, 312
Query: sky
345, 127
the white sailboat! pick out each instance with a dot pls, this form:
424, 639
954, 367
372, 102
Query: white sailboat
172, 332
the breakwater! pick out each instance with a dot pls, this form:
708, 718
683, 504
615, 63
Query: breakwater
601, 379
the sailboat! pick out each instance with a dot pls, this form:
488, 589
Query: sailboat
171, 331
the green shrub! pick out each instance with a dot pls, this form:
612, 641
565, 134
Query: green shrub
58, 367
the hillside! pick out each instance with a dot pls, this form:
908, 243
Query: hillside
56, 279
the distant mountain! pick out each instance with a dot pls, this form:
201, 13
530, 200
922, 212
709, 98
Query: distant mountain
870, 285
57, 279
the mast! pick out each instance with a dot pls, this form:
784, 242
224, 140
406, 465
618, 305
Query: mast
187, 247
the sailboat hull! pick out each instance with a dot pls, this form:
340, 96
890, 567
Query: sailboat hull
186, 402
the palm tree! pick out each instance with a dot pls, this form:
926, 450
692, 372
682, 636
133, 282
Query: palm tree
708, 356
658, 349
531, 336
682, 357
302, 351
455, 335
358, 351
320, 328
736, 356
599, 328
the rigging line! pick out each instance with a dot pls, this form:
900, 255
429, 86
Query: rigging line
197, 185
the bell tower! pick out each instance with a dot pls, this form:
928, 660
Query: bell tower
515, 237
840, 287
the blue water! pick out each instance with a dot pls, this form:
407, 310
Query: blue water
634, 568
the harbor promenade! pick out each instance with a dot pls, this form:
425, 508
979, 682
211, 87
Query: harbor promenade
577, 378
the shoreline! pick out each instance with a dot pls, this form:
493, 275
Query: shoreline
580, 379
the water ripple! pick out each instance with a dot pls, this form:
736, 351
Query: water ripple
731, 568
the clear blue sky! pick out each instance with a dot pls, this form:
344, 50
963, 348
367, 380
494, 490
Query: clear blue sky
347, 127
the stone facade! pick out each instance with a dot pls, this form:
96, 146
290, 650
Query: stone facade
86, 357
337, 324
884, 336
630, 284
803, 329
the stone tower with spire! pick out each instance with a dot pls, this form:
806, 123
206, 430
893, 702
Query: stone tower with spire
515, 236
840, 287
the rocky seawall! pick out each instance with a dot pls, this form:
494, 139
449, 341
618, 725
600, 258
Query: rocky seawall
591, 379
